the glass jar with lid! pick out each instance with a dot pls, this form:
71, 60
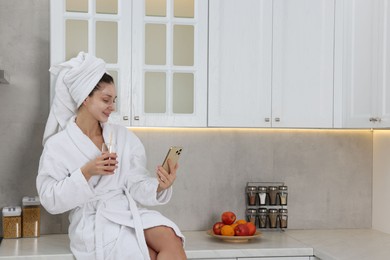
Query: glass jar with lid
262, 217
283, 195
272, 194
262, 194
283, 218
251, 192
12, 222
31, 216
273, 218
251, 215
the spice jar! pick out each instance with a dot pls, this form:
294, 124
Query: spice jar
12, 222
262, 216
272, 194
283, 218
262, 194
272, 216
251, 192
251, 215
283, 195
31, 216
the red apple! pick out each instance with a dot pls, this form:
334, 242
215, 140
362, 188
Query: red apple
228, 217
252, 228
241, 230
217, 228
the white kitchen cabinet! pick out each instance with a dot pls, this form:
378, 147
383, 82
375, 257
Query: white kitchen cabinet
240, 52
212, 259
260, 258
302, 71
271, 63
276, 257
155, 50
96, 28
169, 63
363, 62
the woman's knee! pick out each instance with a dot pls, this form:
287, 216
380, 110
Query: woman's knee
162, 237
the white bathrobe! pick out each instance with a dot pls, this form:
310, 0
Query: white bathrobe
106, 218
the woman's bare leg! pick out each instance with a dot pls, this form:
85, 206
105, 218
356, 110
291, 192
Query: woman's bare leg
165, 243
152, 254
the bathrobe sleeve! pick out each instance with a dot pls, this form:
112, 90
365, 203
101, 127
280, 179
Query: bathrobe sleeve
59, 189
142, 186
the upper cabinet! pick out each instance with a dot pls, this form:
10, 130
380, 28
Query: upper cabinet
156, 50
98, 27
302, 70
232, 63
169, 63
363, 63
271, 63
240, 60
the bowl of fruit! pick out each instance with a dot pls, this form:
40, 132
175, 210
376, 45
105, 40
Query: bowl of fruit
231, 229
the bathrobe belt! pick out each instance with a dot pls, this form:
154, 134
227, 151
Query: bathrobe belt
120, 217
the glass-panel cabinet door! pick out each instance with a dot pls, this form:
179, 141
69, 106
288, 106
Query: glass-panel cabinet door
99, 27
169, 86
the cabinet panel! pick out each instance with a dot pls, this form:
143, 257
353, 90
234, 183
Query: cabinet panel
240, 48
212, 259
97, 28
364, 48
277, 257
170, 39
271, 63
302, 73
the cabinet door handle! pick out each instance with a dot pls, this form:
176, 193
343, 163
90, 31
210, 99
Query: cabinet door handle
277, 119
125, 118
372, 119
136, 118
266, 119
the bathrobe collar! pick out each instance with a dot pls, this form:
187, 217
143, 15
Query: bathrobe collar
83, 142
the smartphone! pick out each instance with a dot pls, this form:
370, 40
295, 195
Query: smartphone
173, 154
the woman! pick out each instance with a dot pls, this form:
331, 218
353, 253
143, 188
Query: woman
103, 191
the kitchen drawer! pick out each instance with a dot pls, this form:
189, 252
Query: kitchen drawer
276, 258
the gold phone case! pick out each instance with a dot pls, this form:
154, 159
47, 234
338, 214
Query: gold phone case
173, 154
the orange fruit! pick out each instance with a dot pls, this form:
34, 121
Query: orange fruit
227, 230
234, 225
241, 221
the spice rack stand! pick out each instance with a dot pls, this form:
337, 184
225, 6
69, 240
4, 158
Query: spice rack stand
268, 214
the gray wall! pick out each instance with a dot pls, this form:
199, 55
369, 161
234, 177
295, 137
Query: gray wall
329, 173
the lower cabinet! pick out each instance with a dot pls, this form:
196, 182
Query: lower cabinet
263, 258
212, 259
278, 257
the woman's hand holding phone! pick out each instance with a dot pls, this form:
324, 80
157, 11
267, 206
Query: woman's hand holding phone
167, 172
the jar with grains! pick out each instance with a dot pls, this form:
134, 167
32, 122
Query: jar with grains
31, 213
12, 222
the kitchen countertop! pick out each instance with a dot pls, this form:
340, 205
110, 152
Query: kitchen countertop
326, 244
345, 243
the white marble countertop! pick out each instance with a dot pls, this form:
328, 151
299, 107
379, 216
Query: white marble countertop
326, 244
345, 244
271, 243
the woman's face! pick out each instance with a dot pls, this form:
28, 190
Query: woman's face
102, 102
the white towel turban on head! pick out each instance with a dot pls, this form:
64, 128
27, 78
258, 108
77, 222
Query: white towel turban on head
76, 79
